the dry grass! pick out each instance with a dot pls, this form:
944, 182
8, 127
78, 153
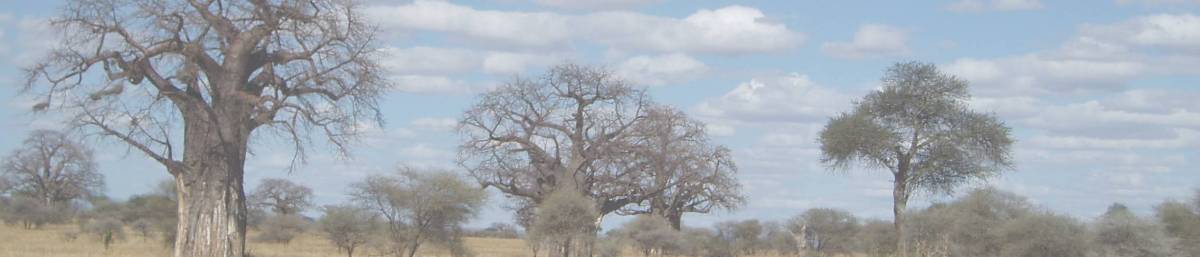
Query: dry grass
49, 242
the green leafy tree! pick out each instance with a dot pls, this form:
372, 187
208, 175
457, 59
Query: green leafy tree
919, 128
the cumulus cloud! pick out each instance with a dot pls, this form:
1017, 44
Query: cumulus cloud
1158, 2
993, 5
731, 29
660, 69
594, 4
444, 124
871, 40
791, 98
1171, 31
423, 84
1036, 74
434, 60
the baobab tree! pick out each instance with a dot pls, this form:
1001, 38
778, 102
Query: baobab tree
282, 196
919, 127
571, 129
188, 82
688, 173
52, 168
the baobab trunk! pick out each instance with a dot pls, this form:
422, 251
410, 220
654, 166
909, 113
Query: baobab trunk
212, 203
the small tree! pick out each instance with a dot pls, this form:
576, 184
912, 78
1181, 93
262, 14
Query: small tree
1120, 233
742, 237
421, 207
652, 235
563, 221
919, 128
348, 227
826, 231
281, 196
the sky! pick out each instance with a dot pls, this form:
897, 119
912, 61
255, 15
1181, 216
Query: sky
1102, 96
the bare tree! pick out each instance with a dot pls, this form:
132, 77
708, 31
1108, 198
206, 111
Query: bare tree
421, 207
282, 196
918, 127
187, 82
347, 226
688, 174
571, 128
1119, 232
52, 168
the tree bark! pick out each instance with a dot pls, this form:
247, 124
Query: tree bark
676, 219
899, 204
212, 202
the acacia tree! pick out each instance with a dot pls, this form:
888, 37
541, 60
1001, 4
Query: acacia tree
282, 196
421, 207
826, 231
919, 127
187, 82
52, 168
688, 172
570, 129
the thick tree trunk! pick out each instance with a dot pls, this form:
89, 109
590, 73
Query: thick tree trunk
676, 219
212, 202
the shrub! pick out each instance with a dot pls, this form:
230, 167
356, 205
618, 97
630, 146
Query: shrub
1120, 233
1043, 235
565, 220
281, 228
106, 229
877, 238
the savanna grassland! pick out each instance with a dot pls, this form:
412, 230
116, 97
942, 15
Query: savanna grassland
51, 241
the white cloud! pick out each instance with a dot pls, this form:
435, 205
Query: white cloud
993, 5
1164, 30
433, 60
1036, 74
436, 124
1158, 2
731, 29
871, 40
791, 98
421, 84
661, 69
427, 60
593, 4
720, 130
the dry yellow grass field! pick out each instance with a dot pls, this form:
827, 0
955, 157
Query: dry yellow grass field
49, 241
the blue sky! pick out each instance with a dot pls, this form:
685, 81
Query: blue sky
1101, 94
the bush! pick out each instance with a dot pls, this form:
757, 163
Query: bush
1043, 235
107, 230
1182, 224
31, 213
1120, 233
565, 220
652, 236
877, 238
826, 230
281, 228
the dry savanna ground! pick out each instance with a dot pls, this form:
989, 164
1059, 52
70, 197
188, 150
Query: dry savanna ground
50, 241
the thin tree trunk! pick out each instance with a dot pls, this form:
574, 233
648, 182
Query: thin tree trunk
900, 203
